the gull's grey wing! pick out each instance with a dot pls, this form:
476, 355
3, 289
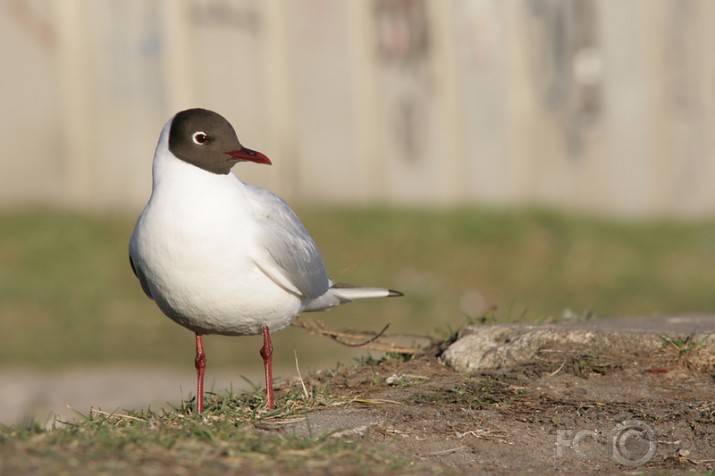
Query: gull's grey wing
293, 259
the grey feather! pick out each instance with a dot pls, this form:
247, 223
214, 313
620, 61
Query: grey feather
289, 244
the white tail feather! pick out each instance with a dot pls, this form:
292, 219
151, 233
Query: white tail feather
351, 293
343, 293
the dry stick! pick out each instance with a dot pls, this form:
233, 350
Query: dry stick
302, 383
350, 338
370, 340
446, 452
113, 414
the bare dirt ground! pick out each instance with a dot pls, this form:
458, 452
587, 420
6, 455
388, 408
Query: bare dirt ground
557, 412
543, 399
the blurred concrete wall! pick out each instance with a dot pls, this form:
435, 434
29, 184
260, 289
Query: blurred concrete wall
579, 104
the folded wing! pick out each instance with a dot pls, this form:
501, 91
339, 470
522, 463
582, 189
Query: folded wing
287, 253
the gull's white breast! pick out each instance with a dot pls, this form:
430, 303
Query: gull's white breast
196, 243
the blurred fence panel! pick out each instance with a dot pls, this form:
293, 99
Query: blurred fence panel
578, 104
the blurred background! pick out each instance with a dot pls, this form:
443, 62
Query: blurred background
524, 160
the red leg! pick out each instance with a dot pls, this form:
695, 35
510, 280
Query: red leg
267, 354
200, 363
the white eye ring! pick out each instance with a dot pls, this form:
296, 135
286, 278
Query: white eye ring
199, 137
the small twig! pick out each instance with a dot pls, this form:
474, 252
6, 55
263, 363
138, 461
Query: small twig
373, 401
446, 452
480, 433
362, 344
300, 377
552, 374
378, 342
416, 377
112, 414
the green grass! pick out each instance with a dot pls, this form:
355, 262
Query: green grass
234, 434
68, 296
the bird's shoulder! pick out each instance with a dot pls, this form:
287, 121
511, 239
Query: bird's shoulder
271, 209
288, 243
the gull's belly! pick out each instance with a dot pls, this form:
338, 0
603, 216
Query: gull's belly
220, 296
200, 272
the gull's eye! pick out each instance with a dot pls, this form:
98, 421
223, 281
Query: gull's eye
199, 138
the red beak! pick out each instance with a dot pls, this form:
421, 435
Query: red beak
249, 155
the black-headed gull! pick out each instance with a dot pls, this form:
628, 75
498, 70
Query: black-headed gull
219, 256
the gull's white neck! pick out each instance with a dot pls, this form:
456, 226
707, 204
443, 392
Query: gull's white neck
170, 171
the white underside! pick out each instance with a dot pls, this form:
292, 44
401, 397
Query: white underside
195, 244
